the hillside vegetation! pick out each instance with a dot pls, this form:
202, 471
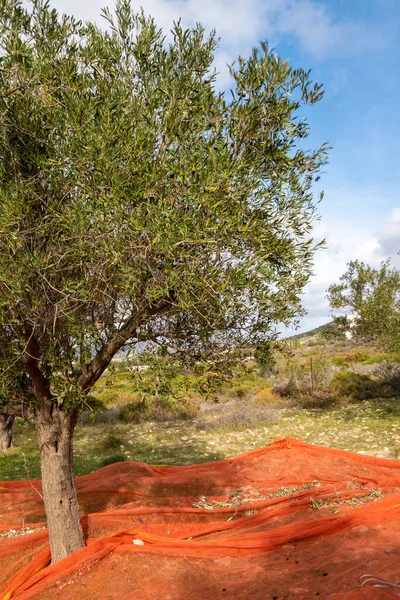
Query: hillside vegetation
321, 388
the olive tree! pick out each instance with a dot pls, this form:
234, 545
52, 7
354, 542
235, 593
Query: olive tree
371, 297
138, 203
15, 396
6, 423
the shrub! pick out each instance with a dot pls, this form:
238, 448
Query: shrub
356, 386
114, 458
340, 361
316, 400
265, 357
313, 343
342, 346
94, 406
323, 373
163, 409
160, 409
112, 441
241, 391
183, 383
246, 386
267, 397
132, 412
209, 382
390, 375
243, 415
332, 332
110, 415
94, 403
384, 357
297, 380
108, 396
360, 356
187, 408
86, 417
298, 386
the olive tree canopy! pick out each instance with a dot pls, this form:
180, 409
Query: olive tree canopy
371, 297
137, 202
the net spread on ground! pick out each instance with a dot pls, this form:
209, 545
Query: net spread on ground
287, 521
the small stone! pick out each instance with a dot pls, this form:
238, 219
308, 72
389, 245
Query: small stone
184, 438
138, 542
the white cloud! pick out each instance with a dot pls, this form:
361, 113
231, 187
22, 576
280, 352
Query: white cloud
313, 25
388, 238
346, 240
241, 24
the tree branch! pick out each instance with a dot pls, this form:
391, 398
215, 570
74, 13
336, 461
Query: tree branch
18, 409
30, 357
90, 374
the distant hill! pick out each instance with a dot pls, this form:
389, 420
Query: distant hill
312, 332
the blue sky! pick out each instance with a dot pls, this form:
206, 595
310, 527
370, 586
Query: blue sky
352, 47
359, 118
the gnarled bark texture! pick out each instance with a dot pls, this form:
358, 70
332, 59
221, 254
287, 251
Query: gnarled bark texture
55, 432
6, 425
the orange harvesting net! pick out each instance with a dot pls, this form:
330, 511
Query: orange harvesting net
287, 521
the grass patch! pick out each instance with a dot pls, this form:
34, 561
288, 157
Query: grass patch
368, 426
347, 410
240, 416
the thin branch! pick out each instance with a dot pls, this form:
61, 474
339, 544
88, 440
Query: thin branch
28, 476
20, 356
118, 339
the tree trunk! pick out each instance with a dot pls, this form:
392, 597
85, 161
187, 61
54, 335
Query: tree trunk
6, 424
55, 430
